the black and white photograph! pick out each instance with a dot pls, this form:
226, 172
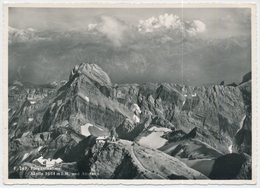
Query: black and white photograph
130, 93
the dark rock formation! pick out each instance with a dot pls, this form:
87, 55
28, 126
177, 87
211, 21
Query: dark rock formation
127, 130
232, 166
247, 77
191, 134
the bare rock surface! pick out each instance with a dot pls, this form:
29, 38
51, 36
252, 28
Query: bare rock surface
189, 123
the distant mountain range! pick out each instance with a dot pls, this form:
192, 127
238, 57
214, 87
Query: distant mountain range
165, 57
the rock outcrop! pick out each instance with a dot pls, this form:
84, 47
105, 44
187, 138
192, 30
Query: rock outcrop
232, 166
120, 160
247, 77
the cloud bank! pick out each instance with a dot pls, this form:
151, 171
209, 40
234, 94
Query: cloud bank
117, 30
110, 27
172, 23
23, 35
194, 27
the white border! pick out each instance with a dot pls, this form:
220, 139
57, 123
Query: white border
129, 5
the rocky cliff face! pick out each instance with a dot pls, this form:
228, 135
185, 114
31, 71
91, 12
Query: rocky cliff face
216, 120
209, 108
243, 137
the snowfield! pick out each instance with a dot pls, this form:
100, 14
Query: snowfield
155, 139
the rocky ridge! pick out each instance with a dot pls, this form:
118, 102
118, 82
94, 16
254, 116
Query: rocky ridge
203, 116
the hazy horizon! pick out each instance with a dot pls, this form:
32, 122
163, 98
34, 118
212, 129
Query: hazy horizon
190, 46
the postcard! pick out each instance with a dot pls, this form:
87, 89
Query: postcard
130, 93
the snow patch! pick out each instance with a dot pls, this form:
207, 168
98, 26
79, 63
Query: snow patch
25, 156
241, 124
230, 148
30, 119
39, 148
194, 95
135, 108
153, 140
86, 98
183, 102
136, 119
84, 129
26, 133
32, 102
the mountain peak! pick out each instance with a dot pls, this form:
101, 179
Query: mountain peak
93, 72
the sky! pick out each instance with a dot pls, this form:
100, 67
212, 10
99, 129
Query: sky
219, 22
